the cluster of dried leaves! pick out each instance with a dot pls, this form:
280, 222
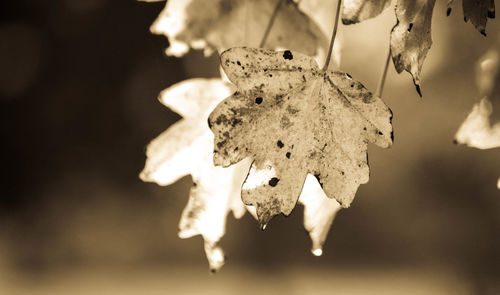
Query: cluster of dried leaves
288, 131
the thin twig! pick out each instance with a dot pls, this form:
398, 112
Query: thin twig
335, 26
271, 22
381, 82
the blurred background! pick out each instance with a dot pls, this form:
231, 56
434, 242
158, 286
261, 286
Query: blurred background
79, 81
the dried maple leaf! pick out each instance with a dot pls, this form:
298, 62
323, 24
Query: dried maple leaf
355, 11
293, 118
185, 148
477, 12
411, 36
221, 24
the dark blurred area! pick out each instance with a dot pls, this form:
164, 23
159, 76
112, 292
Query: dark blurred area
78, 87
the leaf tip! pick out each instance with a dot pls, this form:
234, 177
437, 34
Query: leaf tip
317, 252
417, 87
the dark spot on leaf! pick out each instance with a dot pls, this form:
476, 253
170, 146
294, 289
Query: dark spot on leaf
238, 62
258, 100
300, 69
448, 11
380, 133
304, 78
235, 149
287, 55
364, 128
222, 118
235, 122
410, 27
274, 181
342, 172
352, 85
271, 75
280, 144
288, 155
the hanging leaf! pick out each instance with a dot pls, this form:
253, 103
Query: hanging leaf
319, 212
293, 119
477, 12
411, 36
477, 131
355, 11
221, 24
185, 148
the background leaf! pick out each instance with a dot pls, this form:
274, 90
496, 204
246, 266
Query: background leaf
221, 24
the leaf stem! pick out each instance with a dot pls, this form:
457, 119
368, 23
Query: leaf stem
271, 22
381, 82
335, 26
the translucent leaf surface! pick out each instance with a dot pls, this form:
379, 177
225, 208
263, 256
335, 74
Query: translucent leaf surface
319, 212
293, 119
411, 36
477, 130
477, 12
186, 148
221, 24
355, 11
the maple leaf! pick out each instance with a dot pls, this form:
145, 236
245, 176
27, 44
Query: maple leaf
476, 131
355, 11
477, 12
221, 24
185, 148
293, 119
411, 36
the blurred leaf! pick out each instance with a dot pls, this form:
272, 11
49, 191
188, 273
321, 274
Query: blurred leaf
185, 148
355, 11
221, 24
477, 12
477, 131
293, 119
411, 36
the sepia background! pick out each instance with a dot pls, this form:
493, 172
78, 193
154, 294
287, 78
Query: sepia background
79, 81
